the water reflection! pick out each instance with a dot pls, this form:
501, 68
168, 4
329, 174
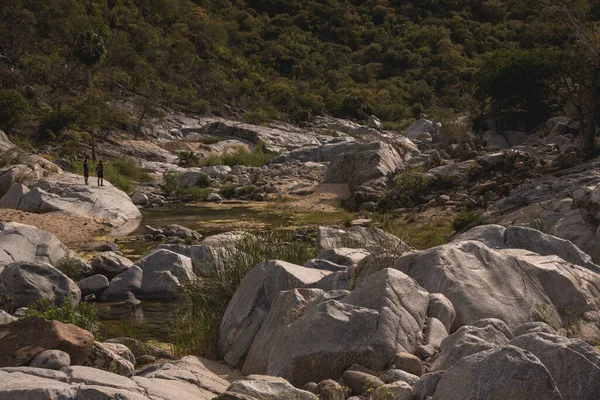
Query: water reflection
150, 320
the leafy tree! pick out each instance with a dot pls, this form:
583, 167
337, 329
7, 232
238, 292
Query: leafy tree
89, 49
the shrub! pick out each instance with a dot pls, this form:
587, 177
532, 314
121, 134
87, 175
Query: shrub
187, 158
55, 122
203, 302
13, 108
242, 156
171, 180
70, 267
467, 219
193, 193
203, 180
228, 191
411, 186
84, 315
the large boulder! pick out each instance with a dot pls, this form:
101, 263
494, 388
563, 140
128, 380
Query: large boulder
66, 192
574, 364
310, 336
469, 340
19, 242
164, 272
24, 283
51, 359
421, 126
359, 237
520, 237
456, 174
103, 357
14, 195
203, 257
251, 302
363, 162
123, 284
22, 340
514, 285
110, 264
506, 372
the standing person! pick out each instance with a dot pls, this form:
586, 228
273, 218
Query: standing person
86, 171
100, 173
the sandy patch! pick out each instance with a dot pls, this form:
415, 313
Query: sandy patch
72, 231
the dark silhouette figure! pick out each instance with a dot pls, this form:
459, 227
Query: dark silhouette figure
86, 171
100, 173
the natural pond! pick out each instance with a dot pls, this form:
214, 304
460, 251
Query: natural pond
152, 320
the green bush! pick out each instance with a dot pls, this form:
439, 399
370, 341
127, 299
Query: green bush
203, 302
187, 158
84, 315
242, 156
13, 108
193, 193
70, 267
467, 219
171, 180
228, 191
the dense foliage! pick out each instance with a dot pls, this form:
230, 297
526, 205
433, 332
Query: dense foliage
286, 59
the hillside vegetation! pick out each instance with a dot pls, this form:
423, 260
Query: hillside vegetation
291, 59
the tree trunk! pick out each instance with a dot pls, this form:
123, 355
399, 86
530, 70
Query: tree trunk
92, 136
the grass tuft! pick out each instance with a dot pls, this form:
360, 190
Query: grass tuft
203, 303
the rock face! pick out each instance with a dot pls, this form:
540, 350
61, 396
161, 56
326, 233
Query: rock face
19, 242
163, 273
26, 282
21, 341
312, 335
514, 285
363, 162
268, 387
507, 372
574, 365
250, 304
186, 379
358, 237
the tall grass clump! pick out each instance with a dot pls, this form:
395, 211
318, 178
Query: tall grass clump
467, 219
121, 172
203, 303
83, 315
242, 156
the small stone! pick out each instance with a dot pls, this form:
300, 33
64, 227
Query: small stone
214, 198
51, 359
330, 390
408, 362
311, 387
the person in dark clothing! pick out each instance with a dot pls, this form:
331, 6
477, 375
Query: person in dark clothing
100, 173
86, 171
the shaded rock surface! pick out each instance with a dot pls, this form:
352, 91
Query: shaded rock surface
24, 283
383, 314
363, 162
